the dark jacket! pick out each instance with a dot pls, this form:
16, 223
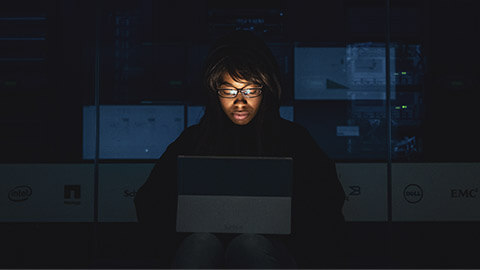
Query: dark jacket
317, 196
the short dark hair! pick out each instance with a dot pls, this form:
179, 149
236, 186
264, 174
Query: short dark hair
244, 56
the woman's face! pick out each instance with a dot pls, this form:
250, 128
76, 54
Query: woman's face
240, 109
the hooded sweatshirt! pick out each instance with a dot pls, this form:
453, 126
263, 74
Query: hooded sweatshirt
317, 232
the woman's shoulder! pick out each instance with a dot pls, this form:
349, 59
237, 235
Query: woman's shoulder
184, 141
291, 129
300, 139
189, 134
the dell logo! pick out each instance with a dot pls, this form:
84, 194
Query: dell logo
413, 193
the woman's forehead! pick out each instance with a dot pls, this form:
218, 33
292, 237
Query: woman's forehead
229, 80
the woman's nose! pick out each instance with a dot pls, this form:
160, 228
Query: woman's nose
240, 98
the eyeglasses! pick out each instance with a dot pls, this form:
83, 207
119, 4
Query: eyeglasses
246, 92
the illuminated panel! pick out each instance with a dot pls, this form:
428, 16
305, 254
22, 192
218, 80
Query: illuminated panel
286, 112
354, 72
132, 132
195, 113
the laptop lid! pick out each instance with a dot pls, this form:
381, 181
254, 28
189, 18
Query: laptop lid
234, 194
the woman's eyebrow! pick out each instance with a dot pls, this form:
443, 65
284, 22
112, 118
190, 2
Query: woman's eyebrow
226, 83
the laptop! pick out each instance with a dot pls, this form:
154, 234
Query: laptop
234, 194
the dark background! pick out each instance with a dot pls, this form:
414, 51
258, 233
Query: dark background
47, 75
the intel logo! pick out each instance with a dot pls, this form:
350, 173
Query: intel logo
20, 193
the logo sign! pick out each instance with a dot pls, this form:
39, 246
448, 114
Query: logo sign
354, 191
129, 194
72, 194
232, 227
464, 193
413, 193
20, 193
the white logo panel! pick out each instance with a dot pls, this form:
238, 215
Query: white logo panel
365, 186
118, 185
46, 193
436, 192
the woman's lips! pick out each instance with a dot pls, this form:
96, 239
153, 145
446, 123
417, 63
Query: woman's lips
240, 115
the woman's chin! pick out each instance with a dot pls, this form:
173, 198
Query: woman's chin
240, 122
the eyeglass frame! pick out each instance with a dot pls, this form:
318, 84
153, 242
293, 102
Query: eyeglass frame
240, 90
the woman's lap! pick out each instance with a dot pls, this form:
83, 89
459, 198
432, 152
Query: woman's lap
205, 250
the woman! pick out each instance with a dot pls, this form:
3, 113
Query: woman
242, 82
